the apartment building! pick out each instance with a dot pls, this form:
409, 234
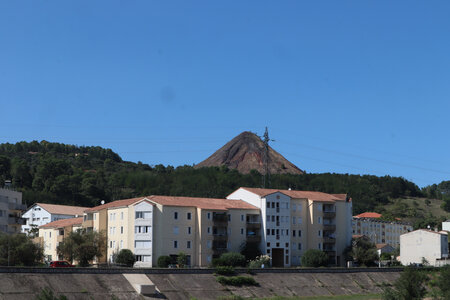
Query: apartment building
53, 233
295, 221
153, 226
379, 231
446, 225
423, 244
11, 209
43, 213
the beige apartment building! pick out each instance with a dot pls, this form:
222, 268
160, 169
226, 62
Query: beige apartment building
379, 231
295, 221
53, 233
153, 226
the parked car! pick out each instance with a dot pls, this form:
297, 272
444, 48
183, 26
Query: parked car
60, 264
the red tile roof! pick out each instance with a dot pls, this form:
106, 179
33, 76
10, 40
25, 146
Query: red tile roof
372, 215
311, 195
203, 203
381, 246
63, 223
118, 203
63, 209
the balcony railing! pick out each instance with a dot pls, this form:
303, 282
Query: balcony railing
253, 225
17, 206
16, 220
329, 227
220, 218
253, 238
329, 240
220, 237
329, 214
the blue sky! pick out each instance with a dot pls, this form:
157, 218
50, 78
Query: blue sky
358, 87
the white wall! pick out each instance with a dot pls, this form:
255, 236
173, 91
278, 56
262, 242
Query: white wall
36, 215
420, 244
446, 225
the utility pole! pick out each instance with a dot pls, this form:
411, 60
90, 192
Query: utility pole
266, 176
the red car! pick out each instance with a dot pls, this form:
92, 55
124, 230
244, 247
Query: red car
60, 264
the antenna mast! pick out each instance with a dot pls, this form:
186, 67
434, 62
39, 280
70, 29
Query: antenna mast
266, 158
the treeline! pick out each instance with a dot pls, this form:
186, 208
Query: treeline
67, 174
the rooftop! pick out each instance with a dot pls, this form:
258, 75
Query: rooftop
311, 195
117, 203
203, 203
63, 223
62, 209
372, 215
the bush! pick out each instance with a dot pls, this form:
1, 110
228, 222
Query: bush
232, 259
259, 261
182, 260
236, 280
314, 258
125, 257
443, 282
410, 285
164, 261
385, 256
225, 270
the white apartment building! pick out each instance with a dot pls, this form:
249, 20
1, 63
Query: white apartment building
379, 231
446, 225
423, 244
42, 213
295, 221
11, 209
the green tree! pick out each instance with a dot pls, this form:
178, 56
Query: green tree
19, 250
314, 258
443, 282
250, 250
232, 259
364, 252
164, 261
125, 257
82, 246
182, 260
410, 286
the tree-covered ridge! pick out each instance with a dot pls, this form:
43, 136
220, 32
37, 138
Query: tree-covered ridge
67, 174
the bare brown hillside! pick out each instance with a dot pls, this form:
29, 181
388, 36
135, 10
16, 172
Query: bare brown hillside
246, 152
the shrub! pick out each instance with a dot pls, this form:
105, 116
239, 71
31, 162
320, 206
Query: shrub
410, 285
314, 258
225, 270
164, 261
182, 260
236, 280
125, 257
385, 256
259, 261
232, 259
443, 282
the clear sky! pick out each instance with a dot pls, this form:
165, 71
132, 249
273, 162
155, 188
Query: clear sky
357, 87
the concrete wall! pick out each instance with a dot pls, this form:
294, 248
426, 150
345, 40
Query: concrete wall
420, 244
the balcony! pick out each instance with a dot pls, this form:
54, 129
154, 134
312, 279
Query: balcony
218, 246
329, 227
329, 214
12, 220
220, 219
17, 206
220, 237
330, 252
253, 238
253, 225
329, 240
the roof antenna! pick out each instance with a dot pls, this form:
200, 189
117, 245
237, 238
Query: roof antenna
266, 158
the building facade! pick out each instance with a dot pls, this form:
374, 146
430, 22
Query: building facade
53, 233
420, 245
11, 209
42, 213
379, 231
295, 221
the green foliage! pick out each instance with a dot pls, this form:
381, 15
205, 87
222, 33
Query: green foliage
47, 294
410, 286
443, 282
164, 261
232, 259
125, 257
225, 270
446, 205
250, 250
82, 246
182, 260
19, 250
67, 174
259, 261
364, 252
385, 256
236, 280
314, 258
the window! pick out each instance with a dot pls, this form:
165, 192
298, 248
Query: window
208, 244
188, 244
189, 216
299, 220
293, 233
208, 215
299, 246
267, 218
299, 233
175, 244
121, 229
229, 217
189, 230
319, 220
294, 207
267, 231
142, 244
95, 216
208, 258
268, 244
287, 245
242, 218
299, 207
50, 234
319, 233
209, 230
319, 246
293, 220
139, 215
121, 215
242, 230
319, 207
175, 215
175, 230
121, 244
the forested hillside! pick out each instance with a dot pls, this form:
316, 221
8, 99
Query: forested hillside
67, 174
